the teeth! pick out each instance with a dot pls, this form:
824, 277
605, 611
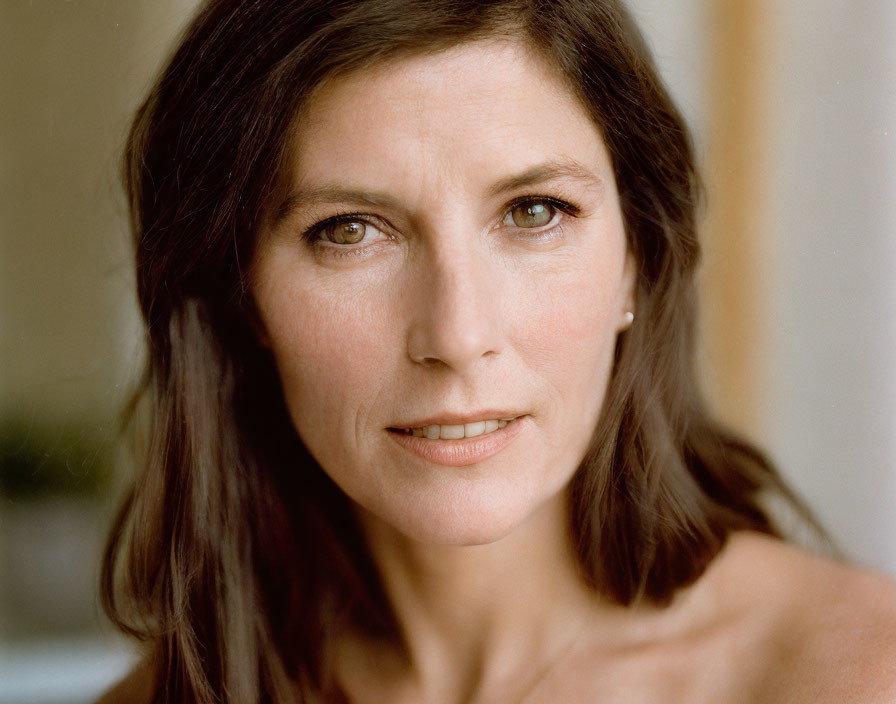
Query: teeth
471, 430
456, 432
452, 432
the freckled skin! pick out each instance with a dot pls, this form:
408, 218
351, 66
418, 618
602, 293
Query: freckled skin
452, 310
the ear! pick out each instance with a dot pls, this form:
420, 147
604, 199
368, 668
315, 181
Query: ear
627, 293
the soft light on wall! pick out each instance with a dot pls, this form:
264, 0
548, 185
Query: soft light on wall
794, 102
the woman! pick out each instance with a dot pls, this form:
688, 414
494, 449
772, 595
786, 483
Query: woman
422, 417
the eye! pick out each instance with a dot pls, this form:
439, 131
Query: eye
345, 230
534, 213
350, 232
537, 213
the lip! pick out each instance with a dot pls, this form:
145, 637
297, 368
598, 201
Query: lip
462, 452
459, 418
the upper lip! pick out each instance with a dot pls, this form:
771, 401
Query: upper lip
460, 418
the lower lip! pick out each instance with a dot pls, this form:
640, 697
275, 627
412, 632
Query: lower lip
462, 452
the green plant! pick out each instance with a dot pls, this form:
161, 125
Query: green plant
43, 458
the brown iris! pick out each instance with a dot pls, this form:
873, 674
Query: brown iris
347, 232
532, 214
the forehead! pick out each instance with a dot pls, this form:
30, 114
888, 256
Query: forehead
468, 112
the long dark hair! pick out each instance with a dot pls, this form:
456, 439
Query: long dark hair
233, 554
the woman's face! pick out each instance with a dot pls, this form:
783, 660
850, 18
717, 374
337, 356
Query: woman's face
443, 286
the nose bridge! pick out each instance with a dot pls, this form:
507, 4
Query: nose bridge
456, 321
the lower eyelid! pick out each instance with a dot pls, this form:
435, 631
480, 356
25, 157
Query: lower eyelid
344, 251
544, 236
351, 252
544, 233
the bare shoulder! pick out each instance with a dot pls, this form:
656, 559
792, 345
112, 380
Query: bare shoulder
829, 628
135, 688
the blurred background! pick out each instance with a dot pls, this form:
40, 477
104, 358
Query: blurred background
793, 103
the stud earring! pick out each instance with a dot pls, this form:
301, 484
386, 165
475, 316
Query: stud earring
629, 318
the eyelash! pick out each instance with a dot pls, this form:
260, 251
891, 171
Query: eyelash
313, 234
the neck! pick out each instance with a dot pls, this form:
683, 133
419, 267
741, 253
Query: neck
474, 616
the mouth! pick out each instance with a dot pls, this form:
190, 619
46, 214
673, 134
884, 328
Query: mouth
459, 444
458, 431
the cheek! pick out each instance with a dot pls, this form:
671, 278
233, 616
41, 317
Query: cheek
569, 325
329, 348
570, 341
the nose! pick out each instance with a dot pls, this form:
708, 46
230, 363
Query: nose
456, 319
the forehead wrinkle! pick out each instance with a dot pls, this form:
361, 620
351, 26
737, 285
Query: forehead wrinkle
405, 193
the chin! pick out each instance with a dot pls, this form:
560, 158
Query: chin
459, 521
460, 534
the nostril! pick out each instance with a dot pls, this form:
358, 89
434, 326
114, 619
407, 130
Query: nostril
431, 361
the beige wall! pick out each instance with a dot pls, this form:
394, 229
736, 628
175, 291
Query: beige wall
798, 142
830, 388
70, 75
71, 72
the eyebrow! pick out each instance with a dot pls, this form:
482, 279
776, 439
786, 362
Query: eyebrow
548, 171
565, 169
